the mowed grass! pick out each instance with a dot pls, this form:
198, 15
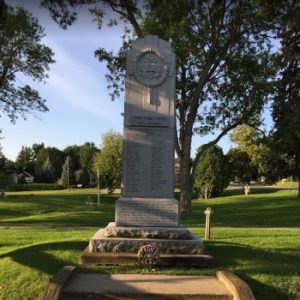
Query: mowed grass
56, 208
262, 208
267, 258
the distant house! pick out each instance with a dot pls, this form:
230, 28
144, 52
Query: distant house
29, 178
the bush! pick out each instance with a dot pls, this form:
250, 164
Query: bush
212, 173
5, 180
34, 187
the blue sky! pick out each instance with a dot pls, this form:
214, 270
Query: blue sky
80, 109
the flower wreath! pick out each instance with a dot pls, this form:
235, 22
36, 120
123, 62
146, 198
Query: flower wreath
148, 255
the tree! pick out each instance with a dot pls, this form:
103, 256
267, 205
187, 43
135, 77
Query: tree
212, 173
241, 167
263, 156
109, 159
21, 52
67, 176
73, 152
6, 166
25, 160
42, 155
47, 175
223, 66
86, 154
286, 105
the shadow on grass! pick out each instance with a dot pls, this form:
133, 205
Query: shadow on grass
39, 256
243, 260
262, 291
254, 191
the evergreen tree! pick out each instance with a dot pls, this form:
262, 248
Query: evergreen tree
47, 174
67, 176
212, 173
25, 160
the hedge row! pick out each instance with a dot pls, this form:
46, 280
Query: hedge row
34, 187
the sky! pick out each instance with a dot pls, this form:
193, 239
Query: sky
80, 108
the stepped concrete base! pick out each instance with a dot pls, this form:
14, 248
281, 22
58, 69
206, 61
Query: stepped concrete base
67, 285
174, 260
172, 233
100, 243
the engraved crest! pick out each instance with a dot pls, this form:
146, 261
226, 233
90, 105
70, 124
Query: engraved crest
151, 69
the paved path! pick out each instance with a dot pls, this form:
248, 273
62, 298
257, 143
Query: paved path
146, 286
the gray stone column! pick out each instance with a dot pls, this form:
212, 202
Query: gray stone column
148, 157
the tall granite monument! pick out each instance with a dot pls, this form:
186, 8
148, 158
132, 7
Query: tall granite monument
148, 157
146, 211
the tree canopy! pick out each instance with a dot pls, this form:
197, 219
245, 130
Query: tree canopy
286, 105
21, 52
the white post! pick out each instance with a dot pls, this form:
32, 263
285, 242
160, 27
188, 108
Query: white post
98, 186
208, 212
68, 164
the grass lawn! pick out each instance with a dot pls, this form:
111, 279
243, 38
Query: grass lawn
254, 236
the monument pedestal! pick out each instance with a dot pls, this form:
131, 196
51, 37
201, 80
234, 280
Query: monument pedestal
103, 242
119, 245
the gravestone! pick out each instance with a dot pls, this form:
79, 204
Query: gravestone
147, 212
148, 155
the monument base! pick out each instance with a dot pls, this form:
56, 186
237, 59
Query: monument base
100, 243
119, 245
172, 233
174, 260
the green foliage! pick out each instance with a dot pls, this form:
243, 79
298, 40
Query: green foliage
34, 187
86, 155
67, 178
21, 52
109, 159
73, 153
241, 167
25, 160
6, 166
5, 180
82, 176
268, 163
286, 105
212, 173
47, 155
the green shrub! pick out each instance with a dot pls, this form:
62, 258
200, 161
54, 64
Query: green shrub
5, 180
34, 187
212, 173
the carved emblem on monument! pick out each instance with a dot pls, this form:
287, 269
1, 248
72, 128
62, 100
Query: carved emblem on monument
151, 69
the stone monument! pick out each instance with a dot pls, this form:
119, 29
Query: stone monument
147, 212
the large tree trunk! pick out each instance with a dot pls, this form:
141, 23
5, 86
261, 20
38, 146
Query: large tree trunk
185, 175
185, 185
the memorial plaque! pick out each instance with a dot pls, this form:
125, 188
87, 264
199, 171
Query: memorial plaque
148, 167
148, 152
